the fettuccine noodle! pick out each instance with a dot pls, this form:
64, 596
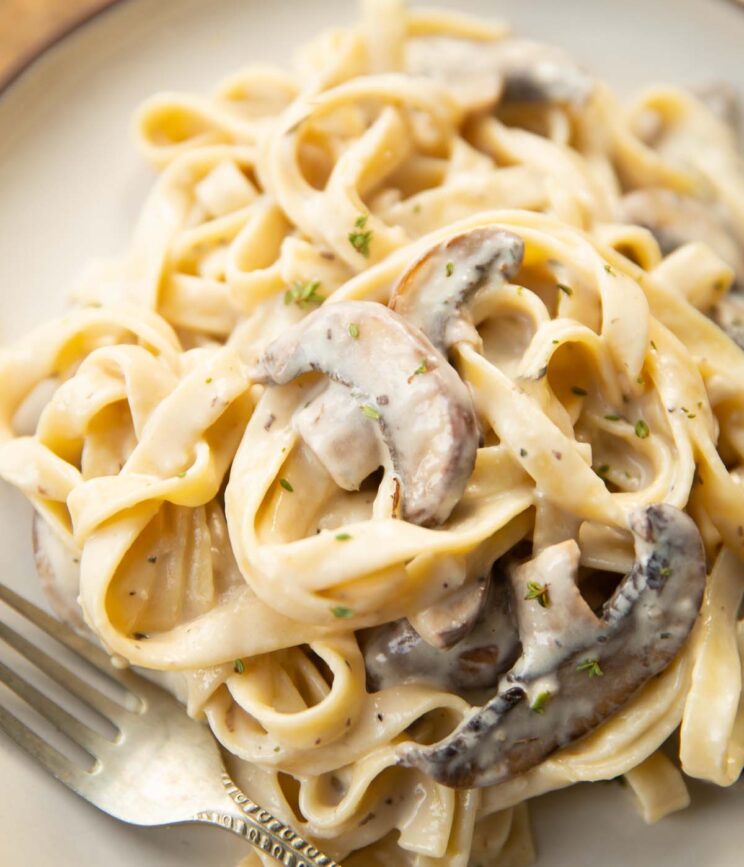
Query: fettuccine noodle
204, 536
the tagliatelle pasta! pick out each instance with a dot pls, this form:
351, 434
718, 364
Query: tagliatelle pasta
208, 516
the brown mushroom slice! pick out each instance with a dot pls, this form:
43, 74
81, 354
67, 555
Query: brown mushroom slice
563, 687
332, 426
451, 618
433, 291
722, 99
396, 654
728, 315
675, 220
413, 399
537, 73
59, 573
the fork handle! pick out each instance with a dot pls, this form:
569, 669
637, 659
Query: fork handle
265, 831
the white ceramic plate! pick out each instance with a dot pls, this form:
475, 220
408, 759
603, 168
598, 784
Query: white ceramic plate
71, 187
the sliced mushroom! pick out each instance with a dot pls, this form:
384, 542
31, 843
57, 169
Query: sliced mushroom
59, 573
723, 100
450, 619
728, 314
537, 73
403, 388
577, 669
332, 426
675, 220
433, 291
510, 70
395, 653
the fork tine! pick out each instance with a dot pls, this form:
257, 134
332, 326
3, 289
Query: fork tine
94, 655
76, 730
63, 769
95, 699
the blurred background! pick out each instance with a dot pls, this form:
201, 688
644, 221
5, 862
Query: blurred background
26, 26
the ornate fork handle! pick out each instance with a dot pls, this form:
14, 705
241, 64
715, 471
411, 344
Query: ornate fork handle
265, 831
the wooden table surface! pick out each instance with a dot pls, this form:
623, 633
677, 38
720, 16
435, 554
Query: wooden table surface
26, 26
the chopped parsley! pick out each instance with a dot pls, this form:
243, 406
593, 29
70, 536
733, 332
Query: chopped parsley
641, 429
371, 412
208, 380
539, 592
580, 392
342, 537
238, 666
359, 238
523, 453
449, 268
304, 294
612, 418
341, 611
591, 666
541, 702
286, 485
603, 469
610, 270
665, 572
422, 368
354, 330
567, 289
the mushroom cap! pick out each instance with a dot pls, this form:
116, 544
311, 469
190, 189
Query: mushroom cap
675, 220
395, 653
577, 669
433, 291
400, 385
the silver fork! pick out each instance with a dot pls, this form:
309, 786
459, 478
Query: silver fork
161, 768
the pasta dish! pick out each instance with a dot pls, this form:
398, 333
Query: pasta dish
406, 441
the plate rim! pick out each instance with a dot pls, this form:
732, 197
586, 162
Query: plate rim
44, 47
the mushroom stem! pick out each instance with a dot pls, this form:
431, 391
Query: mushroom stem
568, 681
400, 385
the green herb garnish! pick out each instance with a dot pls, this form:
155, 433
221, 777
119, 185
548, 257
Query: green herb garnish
359, 239
343, 537
371, 412
539, 592
641, 429
567, 289
541, 702
286, 485
580, 392
341, 611
449, 268
612, 418
238, 666
304, 294
354, 330
591, 666
609, 269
